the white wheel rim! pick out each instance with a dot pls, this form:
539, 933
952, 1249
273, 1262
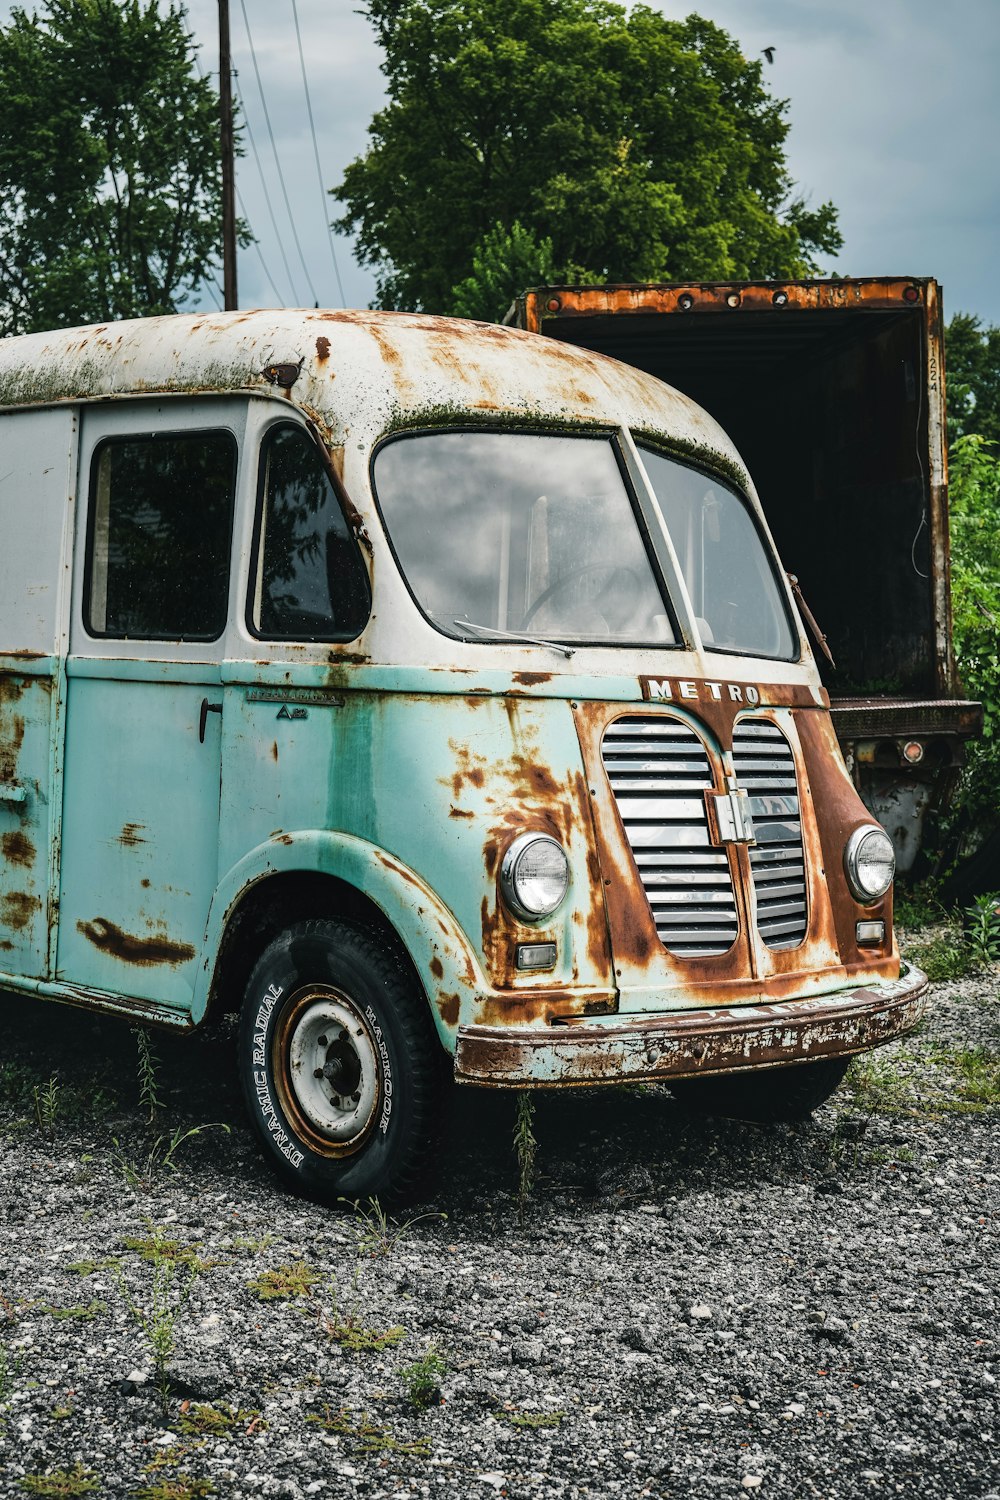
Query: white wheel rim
333, 1068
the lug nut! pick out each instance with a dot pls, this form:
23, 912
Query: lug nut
321, 1041
317, 1072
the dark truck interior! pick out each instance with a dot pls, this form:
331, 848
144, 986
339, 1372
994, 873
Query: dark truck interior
827, 408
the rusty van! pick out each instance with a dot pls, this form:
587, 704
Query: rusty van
431, 694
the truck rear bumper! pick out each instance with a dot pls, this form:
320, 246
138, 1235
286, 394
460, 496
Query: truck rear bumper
684, 1044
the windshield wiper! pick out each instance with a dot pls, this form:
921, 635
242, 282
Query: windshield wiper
513, 635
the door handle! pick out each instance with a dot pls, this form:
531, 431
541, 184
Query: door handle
9, 792
206, 709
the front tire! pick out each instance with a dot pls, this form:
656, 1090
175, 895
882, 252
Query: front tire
769, 1096
340, 1064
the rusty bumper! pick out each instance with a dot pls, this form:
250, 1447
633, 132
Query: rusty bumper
691, 1042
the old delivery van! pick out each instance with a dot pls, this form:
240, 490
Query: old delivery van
431, 694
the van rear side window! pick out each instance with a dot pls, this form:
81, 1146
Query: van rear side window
161, 510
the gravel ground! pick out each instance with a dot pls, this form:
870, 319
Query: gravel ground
686, 1308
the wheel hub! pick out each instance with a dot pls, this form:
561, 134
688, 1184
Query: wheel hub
334, 1071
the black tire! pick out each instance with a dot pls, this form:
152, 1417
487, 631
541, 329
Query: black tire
768, 1096
340, 1065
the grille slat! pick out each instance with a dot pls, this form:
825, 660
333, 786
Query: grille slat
659, 769
765, 768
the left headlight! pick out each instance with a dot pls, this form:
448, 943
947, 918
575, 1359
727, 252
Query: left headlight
534, 876
870, 863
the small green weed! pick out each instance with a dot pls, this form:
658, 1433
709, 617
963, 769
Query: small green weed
378, 1233
250, 1245
182, 1487
169, 1289
878, 1086
976, 1079
157, 1248
357, 1339
207, 1419
366, 1437
170, 1457
75, 1481
422, 1379
285, 1283
142, 1171
147, 1067
61, 1411
85, 1314
525, 1147
47, 1107
88, 1267
983, 930
534, 1419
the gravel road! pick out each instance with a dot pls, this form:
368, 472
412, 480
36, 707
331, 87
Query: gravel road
687, 1308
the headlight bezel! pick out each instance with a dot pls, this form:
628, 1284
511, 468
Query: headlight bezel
509, 865
852, 852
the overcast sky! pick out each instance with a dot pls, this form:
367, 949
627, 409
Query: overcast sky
892, 105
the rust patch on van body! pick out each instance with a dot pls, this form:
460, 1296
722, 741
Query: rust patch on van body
131, 835
322, 347
448, 1008
18, 908
134, 950
830, 810
17, 848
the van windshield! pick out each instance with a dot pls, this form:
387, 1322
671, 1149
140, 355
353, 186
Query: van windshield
520, 533
728, 570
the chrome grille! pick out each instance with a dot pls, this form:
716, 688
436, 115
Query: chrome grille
659, 771
765, 769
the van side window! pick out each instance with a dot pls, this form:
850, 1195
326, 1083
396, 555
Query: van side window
161, 509
310, 581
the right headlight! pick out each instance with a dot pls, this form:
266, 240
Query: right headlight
870, 863
534, 876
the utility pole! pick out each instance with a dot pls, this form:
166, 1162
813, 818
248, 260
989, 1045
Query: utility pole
228, 166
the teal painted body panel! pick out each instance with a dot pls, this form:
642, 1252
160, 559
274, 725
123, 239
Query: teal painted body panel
140, 831
432, 787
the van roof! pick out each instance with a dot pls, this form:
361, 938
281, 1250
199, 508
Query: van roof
360, 374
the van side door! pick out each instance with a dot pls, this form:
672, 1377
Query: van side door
151, 603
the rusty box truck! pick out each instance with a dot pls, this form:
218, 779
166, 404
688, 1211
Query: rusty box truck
430, 694
833, 392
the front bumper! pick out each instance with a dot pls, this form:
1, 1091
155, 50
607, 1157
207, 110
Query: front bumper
688, 1043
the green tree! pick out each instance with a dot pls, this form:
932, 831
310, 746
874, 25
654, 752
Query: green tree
109, 164
972, 364
974, 499
504, 261
642, 148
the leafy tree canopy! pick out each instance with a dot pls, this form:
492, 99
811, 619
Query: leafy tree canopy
974, 502
972, 362
640, 148
108, 164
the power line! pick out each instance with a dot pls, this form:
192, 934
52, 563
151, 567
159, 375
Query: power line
279, 300
277, 164
319, 171
270, 207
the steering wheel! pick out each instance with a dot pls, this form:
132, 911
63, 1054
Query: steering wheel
614, 572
